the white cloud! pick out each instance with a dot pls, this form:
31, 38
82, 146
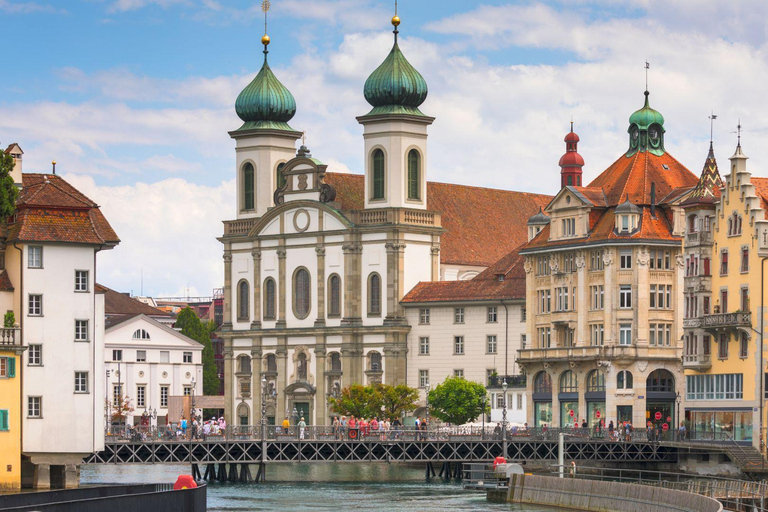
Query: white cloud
132, 5
168, 228
24, 7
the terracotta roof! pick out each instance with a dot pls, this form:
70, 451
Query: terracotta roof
594, 195
5, 282
632, 176
484, 286
761, 188
8, 149
116, 303
482, 224
51, 210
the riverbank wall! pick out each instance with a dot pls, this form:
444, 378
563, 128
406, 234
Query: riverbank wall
600, 496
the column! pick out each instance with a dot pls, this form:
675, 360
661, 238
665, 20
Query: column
610, 306
257, 393
643, 287
256, 324
230, 396
348, 376
281, 295
352, 283
227, 288
555, 399
435, 252
321, 396
395, 280
320, 250
282, 379
582, 304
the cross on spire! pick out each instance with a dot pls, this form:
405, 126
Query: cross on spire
265, 5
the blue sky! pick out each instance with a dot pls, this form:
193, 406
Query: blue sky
134, 98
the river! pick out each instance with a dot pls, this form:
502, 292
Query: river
330, 486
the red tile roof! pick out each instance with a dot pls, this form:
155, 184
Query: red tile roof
116, 303
482, 224
484, 286
5, 282
51, 210
632, 176
595, 195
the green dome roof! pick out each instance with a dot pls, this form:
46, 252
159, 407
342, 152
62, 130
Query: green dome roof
646, 116
265, 103
395, 87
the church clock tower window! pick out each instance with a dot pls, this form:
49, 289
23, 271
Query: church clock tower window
334, 296
248, 187
301, 293
374, 295
243, 311
378, 175
414, 175
280, 178
269, 299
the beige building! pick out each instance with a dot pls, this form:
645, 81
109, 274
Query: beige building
604, 289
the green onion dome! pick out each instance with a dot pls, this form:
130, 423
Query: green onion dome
395, 87
646, 116
265, 103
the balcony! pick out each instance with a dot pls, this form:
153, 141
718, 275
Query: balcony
10, 337
513, 381
698, 238
533, 355
737, 320
239, 227
396, 216
697, 362
692, 323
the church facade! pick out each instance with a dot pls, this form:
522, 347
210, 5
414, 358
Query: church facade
316, 263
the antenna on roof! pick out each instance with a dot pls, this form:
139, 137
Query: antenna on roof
54, 167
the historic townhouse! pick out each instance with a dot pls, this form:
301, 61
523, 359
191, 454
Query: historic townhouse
316, 263
472, 329
725, 225
11, 351
604, 280
50, 248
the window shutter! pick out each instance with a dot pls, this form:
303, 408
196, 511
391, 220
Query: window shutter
3, 419
11, 367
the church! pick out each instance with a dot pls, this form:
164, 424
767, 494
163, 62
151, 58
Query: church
317, 263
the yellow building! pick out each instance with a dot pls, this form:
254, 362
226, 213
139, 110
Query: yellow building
722, 342
10, 410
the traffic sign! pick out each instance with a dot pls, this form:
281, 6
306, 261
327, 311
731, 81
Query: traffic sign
658, 416
665, 427
597, 414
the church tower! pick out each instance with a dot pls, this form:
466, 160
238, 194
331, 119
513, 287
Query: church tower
264, 142
571, 162
395, 133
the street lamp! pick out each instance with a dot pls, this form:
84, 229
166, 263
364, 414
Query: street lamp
427, 390
485, 400
263, 401
677, 414
295, 415
108, 402
504, 410
193, 412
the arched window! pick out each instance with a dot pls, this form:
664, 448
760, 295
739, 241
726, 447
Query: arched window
375, 361
542, 383
242, 414
249, 187
271, 363
141, 334
414, 175
624, 380
243, 364
334, 295
301, 293
692, 223
660, 380
301, 366
335, 362
269, 299
377, 180
280, 178
569, 383
570, 180
595, 381
374, 294
243, 293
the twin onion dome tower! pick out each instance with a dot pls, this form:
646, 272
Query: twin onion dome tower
395, 134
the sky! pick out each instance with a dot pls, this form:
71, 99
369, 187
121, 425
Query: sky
134, 99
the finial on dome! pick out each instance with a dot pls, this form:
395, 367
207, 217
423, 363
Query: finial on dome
396, 22
265, 5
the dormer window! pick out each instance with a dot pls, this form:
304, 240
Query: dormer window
627, 218
569, 227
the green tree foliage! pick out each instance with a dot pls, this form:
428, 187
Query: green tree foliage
193, 327
8, 191
367, 401
457, 400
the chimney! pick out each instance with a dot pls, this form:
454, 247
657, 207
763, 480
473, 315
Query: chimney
653, 200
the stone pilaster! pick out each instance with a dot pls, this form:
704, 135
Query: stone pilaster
581, 303
320, 250
610, 306
256, 324
643, 292
435, 252
227, 288
395, 280
321, 395
257, 393
281, 292
353, 269
282, 378
230, 395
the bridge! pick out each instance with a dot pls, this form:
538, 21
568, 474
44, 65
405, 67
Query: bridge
234, 451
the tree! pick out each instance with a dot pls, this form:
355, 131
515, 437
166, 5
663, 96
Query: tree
356, 400
395, 399
457, 400
121, 409
8, 191
193, 327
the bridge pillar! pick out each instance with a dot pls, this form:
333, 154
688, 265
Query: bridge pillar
71, 476
42, 478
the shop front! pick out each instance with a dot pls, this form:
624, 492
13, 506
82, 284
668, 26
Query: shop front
660, 403
542, 400
720, 424
595, 397
568, 396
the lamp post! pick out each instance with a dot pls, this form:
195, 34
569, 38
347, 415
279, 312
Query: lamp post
107, 400
504, 410
677, 414
263, 401
295, 415
192, 411
485, 400
427, 390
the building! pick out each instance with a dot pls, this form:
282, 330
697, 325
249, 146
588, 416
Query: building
11, 410
471, 329
316, 263
722, 358
604, 288
50, 249
147, 363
